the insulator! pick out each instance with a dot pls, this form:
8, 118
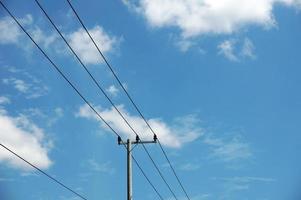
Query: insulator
155, 138
119, 139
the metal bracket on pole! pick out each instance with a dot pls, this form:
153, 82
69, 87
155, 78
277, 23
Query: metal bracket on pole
129, 148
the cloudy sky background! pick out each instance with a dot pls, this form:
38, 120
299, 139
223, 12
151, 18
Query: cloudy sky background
217, 80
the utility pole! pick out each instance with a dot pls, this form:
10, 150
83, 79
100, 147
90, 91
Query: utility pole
129, 149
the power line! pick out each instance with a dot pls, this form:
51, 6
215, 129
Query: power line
104, 93
173, 170
58, 70
160, 173
128, 95
65, 78
43, 172
147, 178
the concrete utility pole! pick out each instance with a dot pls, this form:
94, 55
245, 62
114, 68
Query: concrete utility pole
129, 149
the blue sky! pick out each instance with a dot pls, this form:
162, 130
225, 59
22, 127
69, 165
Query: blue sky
218, 81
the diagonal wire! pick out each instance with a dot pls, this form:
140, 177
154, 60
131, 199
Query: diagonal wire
58, 70
128, 95
147, 178
107, 97
43, 172
65, 78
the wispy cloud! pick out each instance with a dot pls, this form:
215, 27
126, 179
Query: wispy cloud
12, 69
233, 184
228, 150
236, 50
183, 130
18, 84
58, 114
196, 197
248, 49
10, 33
25, 82
189, 166
247, 179
105, 167
4, 100
42, 38
53, 115
6, 179
226, 48
31, 90
201, 197
113, 90
184, 45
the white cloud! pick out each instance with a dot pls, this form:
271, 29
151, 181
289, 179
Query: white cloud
26, 139
101, 167
28, 84
189, 166
200, 197
12, 69
18, 84
81, 43
229, 150
32, 90
194, 17
42, 38
233, 184
236, 50
6, 179
247, 179
9, 31
293, 3
50, 118
68, 198
184, 45
113, 90
58, 114
184, 166
248, 49
4, 100
183, 130
196, 197
34, 112
226, 48
26, 20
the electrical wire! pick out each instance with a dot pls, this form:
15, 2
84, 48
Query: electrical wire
58, 70
43, 172
147, 178
65, 78
128, 95
104, 93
